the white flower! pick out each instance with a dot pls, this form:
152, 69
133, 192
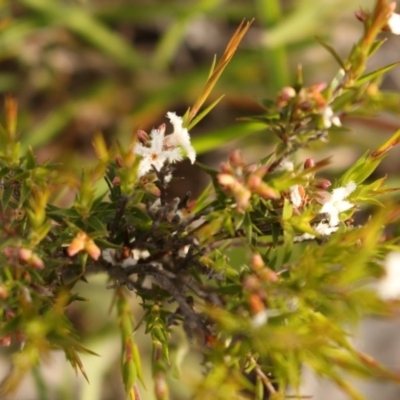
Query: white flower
180, 136
163, 148
389, 286
295, 196
329, 118
260, 319
156, 155
286, 165
394, 24
335, 203
323, 229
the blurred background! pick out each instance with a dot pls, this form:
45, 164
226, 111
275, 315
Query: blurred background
77, 67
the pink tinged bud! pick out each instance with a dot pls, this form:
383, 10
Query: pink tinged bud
260, 171
251, 283
361, 15
226, 168
24, 254
226, 179
118, 161
306, 105
116, 181
267, 192
257, 262
236, 159
9, 252
287, 93
268, 275
83, 242
36, 262
254, 182
92, 249
142, 136
323, 184
77, 244
152, 189
160, 387
252, 169
318, 87
309, 163
3, 292
242, 199
161, 129
5, 341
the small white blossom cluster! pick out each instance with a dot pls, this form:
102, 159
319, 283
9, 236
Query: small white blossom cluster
389, 286
332, 204
165, 148
329, 118
295, 196
115, 257
394, 23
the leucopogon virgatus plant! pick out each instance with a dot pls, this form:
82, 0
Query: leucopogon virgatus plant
320, 254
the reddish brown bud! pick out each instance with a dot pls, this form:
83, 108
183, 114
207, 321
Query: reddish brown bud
254, 182
256, 304
305, 105
118, 161
251, 283
5, 340
236, 158
361, 15
323, 184
116, 181
287, 93
226, 168
309, 163
142, 136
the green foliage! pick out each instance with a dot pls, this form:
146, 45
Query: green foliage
309, 270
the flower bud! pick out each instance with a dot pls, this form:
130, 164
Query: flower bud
226, 179
118, 161
83, 242
236, 158
5, 341
226, 168
267, 192
77, 244
361, 15
254, 182
256, 304
142, 136
3, 292
323, 184
116, 181
257, 262
152, 189
309, 163
92, 249
161, 387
